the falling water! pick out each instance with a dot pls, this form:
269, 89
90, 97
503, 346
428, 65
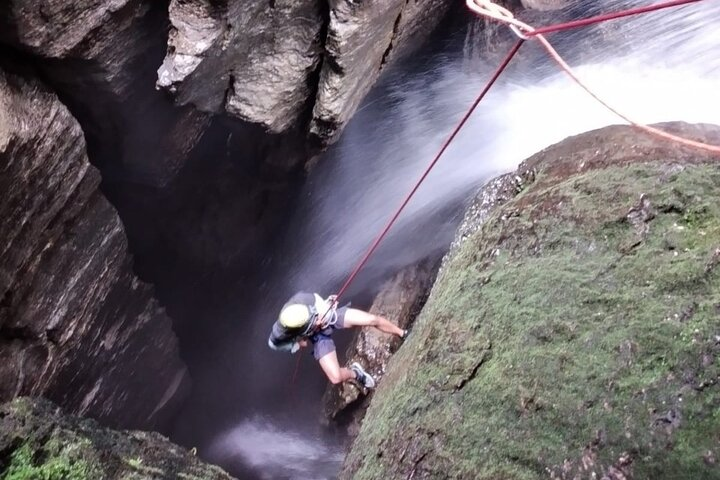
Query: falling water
669, 69
276, 452
662, 66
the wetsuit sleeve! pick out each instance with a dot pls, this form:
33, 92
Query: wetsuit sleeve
291, 347
280, 340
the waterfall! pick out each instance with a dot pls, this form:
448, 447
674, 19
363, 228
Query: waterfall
668, 69
662, 66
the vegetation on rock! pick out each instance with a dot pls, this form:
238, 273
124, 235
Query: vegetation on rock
38, 442
574, 334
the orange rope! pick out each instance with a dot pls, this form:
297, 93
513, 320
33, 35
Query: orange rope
488, 9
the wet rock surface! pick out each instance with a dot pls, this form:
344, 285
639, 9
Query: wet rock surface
252, 60
198, 194
573, 333
99, 56
37, 440
362, 38
272, 63
400, 300
76, 325
57, 29
492, 195
547, 5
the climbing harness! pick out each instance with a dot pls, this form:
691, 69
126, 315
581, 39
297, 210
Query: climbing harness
329, 317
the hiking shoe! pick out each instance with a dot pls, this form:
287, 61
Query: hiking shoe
365, 379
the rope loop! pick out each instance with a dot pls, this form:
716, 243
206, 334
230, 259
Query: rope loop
494, 11
488, 9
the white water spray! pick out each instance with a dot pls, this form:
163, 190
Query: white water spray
277, 452
659, 67
669, 70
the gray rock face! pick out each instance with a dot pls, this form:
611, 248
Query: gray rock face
58, 29
252, 60
259, 61
362, 38
400, 299
546, 5
75, 324
493, 194
97, 31
96, 54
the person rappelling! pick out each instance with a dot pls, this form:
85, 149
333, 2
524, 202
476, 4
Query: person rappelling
307, 318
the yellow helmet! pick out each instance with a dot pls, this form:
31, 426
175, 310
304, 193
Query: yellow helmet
295, 316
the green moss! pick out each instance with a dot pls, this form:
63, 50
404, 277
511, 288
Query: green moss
20, 406
63, 466
38, 442
134, 462
564, 332
137, 464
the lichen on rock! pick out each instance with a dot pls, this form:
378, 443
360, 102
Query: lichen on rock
574, 334
38, 441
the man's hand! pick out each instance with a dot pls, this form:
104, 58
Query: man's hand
332, 300
298, 345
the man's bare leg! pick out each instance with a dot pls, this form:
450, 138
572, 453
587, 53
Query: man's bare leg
334, 372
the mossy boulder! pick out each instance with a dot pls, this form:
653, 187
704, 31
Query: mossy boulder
574, 333
39, 442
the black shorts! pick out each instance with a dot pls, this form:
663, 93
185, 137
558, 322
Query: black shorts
322, 343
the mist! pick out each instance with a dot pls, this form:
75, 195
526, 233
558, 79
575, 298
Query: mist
663, 66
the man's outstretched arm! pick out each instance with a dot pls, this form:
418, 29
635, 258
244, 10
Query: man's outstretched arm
360, 318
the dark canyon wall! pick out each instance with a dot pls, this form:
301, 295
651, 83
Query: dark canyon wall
270, 62
99, 56
199, 187
76, 325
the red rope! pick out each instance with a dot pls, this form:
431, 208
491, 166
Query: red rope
456, 130
501, 68
609, 16
294, 378
452, 136
491, 82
